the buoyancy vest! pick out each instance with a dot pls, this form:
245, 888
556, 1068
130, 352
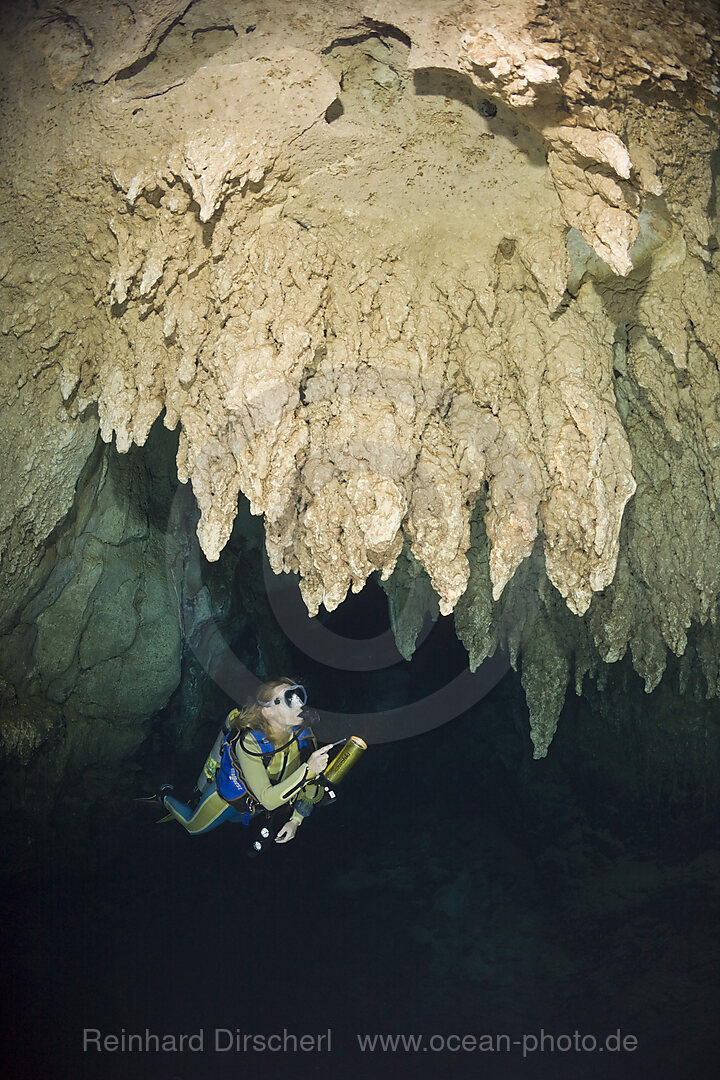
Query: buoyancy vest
229, 780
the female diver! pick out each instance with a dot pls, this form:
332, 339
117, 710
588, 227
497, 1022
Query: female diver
269, 760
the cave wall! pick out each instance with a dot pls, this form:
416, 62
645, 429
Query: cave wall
434, 286
95, 647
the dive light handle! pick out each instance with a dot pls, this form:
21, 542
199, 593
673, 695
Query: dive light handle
329, 793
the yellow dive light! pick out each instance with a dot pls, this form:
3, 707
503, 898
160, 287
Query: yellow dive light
345, 759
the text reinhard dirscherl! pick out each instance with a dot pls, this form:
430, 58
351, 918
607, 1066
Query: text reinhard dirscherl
222, 1040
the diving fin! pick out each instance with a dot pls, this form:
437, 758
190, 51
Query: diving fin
157, 797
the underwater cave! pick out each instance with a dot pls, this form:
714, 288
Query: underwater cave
375, 346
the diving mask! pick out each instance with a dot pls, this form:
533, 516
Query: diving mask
289, 693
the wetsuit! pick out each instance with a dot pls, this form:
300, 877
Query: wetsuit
250, 767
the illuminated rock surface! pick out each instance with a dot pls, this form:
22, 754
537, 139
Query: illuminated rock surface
427, 278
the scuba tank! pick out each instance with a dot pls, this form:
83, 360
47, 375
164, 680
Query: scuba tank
212, 762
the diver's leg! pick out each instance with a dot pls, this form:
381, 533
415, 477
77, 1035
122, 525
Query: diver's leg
210, 813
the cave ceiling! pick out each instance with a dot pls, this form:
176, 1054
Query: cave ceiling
434, 285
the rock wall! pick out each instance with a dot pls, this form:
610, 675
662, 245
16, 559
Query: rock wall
435, 279
94, 651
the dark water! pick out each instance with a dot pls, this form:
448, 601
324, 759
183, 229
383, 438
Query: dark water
457, 889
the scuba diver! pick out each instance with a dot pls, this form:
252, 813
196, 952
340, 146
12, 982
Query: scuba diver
265, 759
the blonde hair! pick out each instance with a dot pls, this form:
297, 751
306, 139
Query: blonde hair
251, 717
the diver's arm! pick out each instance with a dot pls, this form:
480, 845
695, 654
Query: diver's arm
314, 792
310, 794
270, 795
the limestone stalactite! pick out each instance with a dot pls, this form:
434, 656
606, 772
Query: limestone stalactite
433, 285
